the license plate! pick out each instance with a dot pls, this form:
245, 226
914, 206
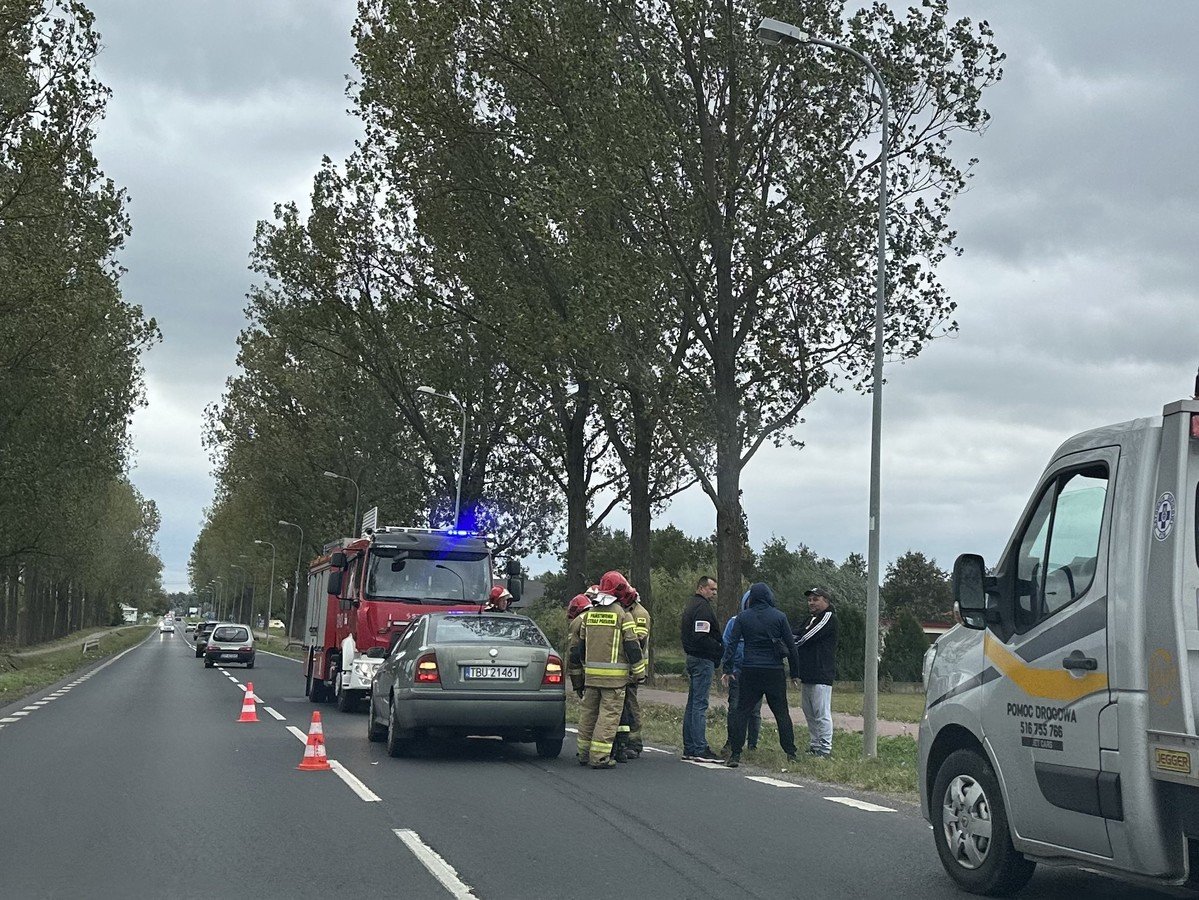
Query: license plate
503, 673
228, 656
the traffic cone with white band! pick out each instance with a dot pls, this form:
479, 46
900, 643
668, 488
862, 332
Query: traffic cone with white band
314, 751
249, 712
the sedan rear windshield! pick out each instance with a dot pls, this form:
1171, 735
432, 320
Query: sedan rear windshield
475, 629
231, 634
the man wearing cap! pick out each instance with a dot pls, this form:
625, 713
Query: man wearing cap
816, 642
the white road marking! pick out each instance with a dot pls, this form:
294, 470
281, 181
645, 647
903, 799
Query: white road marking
773, 782
23, 712
860, 804
572, 730
656, 750
278, 655
40, 703
28, 709
275, 714
355, 784
438, 867
10, 719
705, 765
301, 735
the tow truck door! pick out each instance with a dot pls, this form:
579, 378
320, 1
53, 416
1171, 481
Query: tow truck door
1050, 665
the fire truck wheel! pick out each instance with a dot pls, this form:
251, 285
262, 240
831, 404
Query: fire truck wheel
347, 701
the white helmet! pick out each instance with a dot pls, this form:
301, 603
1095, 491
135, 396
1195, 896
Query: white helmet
602, 599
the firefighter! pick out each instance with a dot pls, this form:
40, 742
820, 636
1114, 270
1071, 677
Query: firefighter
579, 604
629, 744
610, 655
498, 600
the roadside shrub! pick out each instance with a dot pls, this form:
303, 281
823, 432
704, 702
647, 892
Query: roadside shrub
851, 643
903, 654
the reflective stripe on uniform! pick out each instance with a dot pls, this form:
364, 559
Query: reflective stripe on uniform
639, 667
608, 668
600, 749
620, 728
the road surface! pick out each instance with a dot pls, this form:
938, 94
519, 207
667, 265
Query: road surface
133, 779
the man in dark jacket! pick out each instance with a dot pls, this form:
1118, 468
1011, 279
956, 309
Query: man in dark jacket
817, 643
768, 641
702, 644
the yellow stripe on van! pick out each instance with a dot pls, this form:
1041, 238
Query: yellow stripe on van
1048, 684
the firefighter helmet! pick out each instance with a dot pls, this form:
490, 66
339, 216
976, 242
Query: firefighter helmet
577, 605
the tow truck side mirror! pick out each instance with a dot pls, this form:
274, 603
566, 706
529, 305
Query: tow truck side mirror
970, 590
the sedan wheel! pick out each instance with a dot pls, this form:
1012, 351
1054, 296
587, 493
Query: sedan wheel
374, 733
396, 745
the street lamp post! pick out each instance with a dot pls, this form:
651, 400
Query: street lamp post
354, 522
271, 591
772, 31
242, 590
220, 603
295, 592
425, 389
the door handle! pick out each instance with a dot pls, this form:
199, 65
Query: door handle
1077, 661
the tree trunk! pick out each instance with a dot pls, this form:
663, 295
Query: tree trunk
574, 424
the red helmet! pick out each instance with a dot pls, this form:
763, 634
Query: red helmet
630, 597
577, 605
615, 584
499, 593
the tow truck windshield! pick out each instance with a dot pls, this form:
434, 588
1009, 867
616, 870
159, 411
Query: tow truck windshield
428, 576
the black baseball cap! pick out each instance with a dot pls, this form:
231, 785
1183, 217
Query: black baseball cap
818, 592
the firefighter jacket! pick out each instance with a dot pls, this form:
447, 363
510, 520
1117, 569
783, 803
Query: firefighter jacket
607, 648
573, 668
641, 628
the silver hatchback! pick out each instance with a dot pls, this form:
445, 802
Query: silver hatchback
463, 674
230, 643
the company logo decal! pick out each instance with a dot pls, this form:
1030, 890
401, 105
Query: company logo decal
1163, 516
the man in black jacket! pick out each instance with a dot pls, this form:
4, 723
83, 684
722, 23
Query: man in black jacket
703, 646
817, 645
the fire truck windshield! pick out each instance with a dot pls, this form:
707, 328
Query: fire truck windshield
428, 576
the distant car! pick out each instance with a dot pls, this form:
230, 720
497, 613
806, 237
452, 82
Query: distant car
202, 631
470, 674
190, 626
277, 623
165, 626
228, 644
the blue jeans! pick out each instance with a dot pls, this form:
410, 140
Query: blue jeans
695, 716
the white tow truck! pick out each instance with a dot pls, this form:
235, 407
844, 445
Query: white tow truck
1061, 719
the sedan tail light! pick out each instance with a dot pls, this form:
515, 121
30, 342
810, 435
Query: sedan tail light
245, 648
553, 670
426, 670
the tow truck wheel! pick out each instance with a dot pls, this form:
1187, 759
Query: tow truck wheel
970, 827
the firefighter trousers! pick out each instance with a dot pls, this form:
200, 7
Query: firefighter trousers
602, 708
630, 720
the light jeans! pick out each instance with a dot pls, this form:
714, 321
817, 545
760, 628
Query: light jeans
817, 702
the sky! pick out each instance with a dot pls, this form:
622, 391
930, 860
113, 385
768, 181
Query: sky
1075, 289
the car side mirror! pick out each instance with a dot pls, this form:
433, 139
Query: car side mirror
970, 584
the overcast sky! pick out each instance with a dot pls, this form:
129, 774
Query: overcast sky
1076, 290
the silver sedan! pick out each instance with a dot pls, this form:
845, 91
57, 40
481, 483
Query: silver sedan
460, 674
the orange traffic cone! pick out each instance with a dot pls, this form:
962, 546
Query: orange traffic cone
248, 711
314, 752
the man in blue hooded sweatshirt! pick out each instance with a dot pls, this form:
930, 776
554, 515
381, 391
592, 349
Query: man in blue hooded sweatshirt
755, 716
768, 641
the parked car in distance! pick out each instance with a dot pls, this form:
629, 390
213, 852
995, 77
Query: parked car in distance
460, 674
166, 625
277, 623
229, 643
202, 631
190, 626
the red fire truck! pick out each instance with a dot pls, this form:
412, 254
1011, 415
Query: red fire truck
363, 592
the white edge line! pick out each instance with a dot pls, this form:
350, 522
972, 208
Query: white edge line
301, 735
860, 804
275, 714
354, 782
438, 867
656, 750
572, 730
707, 765
773, 782
278, 655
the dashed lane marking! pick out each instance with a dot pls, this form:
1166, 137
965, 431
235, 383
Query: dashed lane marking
41, 702
353, 781
860, 804
8, 719
706, 765
275, 714
23, 712
299, 734
438, 867
773, 782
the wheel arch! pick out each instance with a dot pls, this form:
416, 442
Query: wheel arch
949, 740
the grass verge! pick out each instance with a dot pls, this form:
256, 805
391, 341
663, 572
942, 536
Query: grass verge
276, 642
892, 707
893, 771
22, 676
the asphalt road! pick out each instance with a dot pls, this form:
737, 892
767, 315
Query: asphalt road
138, 782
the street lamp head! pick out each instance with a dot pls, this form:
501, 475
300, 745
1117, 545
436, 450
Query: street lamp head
775, 32
285, 522
425, 389
329, 474
262, 542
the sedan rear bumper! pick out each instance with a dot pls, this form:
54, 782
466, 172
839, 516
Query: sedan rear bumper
484, 712
230, 655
